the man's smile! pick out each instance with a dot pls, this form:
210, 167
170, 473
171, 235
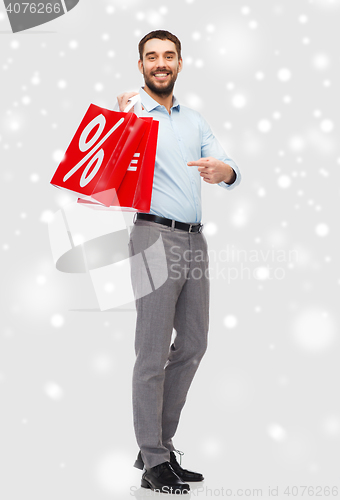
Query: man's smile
161, 76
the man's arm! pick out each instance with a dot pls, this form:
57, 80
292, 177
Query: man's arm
215, 166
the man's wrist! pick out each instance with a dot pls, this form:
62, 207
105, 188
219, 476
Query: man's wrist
232, 178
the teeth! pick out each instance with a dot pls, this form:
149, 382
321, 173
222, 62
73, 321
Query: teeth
161, 74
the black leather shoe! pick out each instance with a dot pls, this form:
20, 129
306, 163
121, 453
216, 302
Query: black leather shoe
184, 474
162, 478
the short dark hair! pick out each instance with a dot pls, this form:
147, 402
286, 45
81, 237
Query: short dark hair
162, 35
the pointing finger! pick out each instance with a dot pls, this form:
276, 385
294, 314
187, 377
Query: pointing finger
202, 162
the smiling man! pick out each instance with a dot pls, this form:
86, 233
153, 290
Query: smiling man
187, 152
154, 75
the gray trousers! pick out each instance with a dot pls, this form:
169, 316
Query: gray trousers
162, 372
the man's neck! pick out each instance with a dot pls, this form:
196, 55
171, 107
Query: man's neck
164, 101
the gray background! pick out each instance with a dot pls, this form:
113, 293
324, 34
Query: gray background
263, 409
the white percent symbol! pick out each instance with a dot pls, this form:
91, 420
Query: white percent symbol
84, 146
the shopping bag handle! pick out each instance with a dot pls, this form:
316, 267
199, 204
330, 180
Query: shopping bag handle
133, 100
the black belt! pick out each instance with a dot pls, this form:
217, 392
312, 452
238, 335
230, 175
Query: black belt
191, 228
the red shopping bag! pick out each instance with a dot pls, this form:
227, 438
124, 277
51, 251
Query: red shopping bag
135, 191
99, 154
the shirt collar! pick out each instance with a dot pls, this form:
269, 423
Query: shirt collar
149, 103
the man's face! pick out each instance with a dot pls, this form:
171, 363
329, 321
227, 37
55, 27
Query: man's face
160, 66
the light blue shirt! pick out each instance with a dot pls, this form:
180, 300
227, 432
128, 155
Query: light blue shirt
183, 136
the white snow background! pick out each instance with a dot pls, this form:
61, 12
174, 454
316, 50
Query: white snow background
263, 409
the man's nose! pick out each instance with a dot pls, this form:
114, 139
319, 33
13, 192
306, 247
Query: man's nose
161, 62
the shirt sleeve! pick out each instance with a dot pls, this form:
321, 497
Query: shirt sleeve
211, 147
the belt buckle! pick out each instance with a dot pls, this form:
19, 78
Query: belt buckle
199, 229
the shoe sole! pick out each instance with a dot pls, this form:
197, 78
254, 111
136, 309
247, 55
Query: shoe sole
191, 480
146, 484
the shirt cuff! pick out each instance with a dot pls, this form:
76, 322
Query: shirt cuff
238, 176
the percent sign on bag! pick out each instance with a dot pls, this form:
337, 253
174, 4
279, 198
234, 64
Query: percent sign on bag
135, 191
99, 154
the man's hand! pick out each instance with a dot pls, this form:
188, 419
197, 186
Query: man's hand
214, 171
123, 100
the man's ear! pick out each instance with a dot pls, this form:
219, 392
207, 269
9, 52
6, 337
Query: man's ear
140, 66
180, 65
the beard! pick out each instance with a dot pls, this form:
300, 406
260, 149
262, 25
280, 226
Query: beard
158, 87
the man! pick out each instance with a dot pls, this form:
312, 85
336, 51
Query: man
162, 373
